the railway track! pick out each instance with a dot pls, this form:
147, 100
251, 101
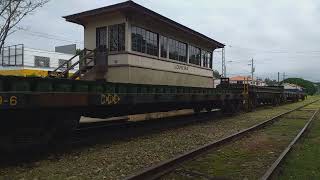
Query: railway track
88, 133
164, 168
283, 155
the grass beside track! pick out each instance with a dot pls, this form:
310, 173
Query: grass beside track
303, 162
127, 155
248, 157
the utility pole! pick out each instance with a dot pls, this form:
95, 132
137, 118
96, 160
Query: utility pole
278, 77
284, 76
252, 71
224, 68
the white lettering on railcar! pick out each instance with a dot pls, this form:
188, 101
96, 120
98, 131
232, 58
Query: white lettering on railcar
181, 67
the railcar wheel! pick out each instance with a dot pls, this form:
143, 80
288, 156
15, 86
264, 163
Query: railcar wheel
229, 108
64, 126
25, 132
275, 102
238, 106
251, 105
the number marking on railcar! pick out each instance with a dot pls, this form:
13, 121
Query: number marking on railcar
110, 99
11, 101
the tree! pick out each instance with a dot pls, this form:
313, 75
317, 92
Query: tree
270, 82
216, 74
12, 12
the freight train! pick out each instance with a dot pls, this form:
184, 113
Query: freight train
134, 61
43, 110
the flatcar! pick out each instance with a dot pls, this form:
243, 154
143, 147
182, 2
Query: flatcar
41, 110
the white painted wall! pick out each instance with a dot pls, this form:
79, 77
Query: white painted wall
157, 64
29, 59
29, 55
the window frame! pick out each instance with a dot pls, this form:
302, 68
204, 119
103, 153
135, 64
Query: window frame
163, 40
115, 32
194, 51
170, 49
46, 64
147, 43
206, 58
98, 37
176, 50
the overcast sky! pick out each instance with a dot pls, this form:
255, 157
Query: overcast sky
280, 35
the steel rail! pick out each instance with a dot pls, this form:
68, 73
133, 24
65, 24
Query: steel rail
159, 170
282, 156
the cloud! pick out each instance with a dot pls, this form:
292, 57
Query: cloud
281, 36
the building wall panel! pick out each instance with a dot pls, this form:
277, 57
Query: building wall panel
137, 75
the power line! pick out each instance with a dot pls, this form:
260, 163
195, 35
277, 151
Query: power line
277, 51
41, 51
49, 36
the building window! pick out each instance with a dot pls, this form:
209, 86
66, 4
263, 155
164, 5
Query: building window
177, 50
5, 57
40, 61
144, 41
164, 46
101, 37
65, 66
173, 51
117, 37
206, 59
12, 56
194, 55
182, 49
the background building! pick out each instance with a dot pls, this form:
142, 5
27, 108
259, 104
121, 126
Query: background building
246, 80
18, 60
292, 87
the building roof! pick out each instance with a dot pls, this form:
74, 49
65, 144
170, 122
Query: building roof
132, 6
240, 78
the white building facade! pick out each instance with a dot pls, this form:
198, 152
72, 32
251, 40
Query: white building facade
22, 61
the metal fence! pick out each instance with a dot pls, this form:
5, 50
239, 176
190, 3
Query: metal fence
12, 55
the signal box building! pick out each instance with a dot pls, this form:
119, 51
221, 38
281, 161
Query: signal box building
146, 47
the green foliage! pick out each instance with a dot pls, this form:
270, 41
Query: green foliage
309, 86
216, 74
78, 51
318, 88
304, 160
